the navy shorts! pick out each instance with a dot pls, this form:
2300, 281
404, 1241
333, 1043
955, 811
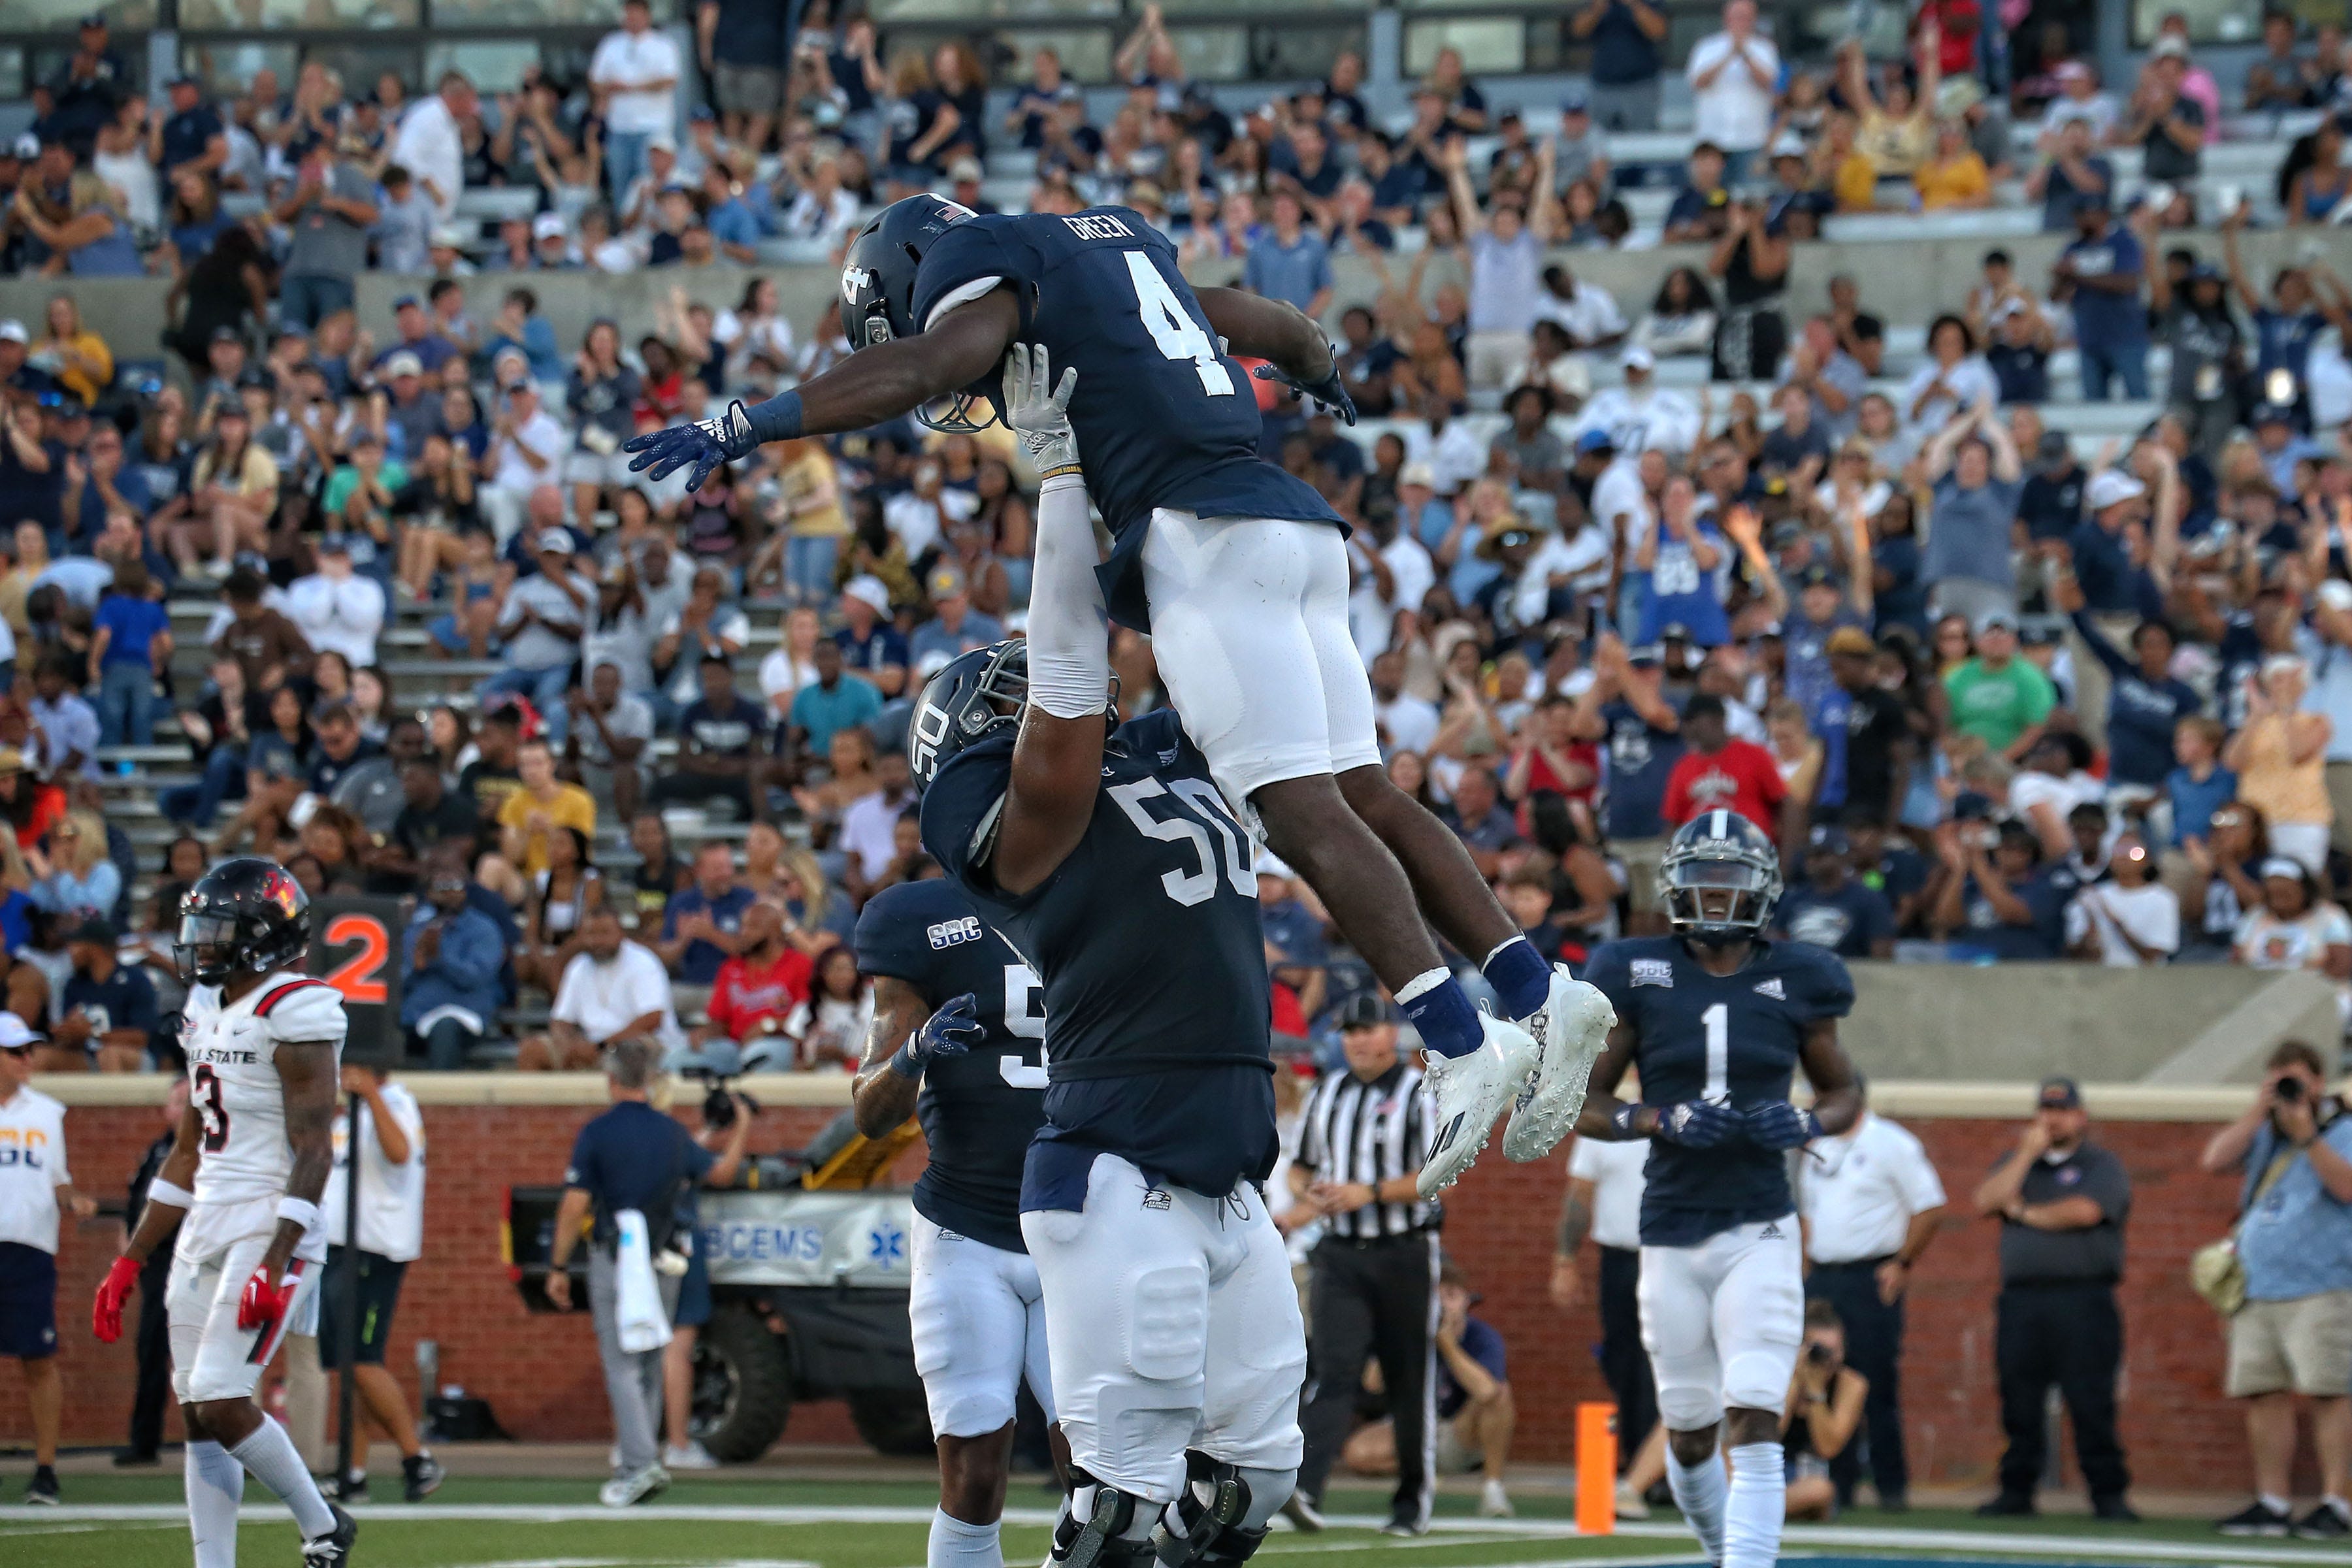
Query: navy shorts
29, 1302
693, 1292
378, 1285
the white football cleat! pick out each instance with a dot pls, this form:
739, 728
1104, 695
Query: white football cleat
1574, 1027
1469, 1092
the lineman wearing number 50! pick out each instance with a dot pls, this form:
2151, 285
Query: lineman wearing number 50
956, 1012
1717, 1020
246, 1170
1240, 571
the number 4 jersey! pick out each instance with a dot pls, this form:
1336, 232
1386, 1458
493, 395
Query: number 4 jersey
1162, 418
1153, 960
241, 1106
979, 1109
1733, 1039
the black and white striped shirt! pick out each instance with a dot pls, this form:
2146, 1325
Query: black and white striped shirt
1369, 1132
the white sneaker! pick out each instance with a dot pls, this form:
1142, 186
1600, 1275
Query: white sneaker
693, 1456
1574, 1027
1470, 1093
1493, 1501
1302, 1514
1628, 1502
626, 1491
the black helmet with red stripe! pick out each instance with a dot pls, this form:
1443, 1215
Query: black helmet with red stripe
244, 916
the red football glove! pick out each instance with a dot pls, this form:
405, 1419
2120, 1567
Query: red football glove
265, 1300
106, 1312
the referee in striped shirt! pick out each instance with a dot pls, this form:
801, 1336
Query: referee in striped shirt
1373, 1290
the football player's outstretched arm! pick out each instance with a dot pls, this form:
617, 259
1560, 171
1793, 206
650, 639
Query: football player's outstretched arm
866, 388
1057, 758
307, 1078
1270, 329
168, 1201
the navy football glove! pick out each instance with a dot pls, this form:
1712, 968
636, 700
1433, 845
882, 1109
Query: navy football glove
1777, 1124
703, 445
950, 1032
1692, 1124
1330, 391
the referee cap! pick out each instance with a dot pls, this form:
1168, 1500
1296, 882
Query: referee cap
1365, 1010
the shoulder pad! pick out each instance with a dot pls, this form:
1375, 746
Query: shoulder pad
303, 1010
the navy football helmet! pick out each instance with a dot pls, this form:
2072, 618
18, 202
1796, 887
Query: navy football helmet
973, 695
1720, 878
877, 295
247, 915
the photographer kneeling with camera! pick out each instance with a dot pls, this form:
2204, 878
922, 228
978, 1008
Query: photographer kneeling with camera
2293, 1334
1823, 1412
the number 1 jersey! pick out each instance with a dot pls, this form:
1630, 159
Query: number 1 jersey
979, 1109
1733, 1039
1162, 418
1153, 958
240, 1105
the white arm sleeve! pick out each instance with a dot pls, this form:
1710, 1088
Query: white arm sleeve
1069, 629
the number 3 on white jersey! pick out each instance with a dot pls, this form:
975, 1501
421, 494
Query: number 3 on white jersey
1178, 335
1022, 991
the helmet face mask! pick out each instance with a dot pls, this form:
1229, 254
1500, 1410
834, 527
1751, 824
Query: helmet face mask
974, 695
877, 299
1720, 880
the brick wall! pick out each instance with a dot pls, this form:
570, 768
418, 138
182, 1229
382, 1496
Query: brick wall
540, 1371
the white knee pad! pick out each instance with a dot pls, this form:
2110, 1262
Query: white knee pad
1754, 1380
1269, 1490
1689, 1408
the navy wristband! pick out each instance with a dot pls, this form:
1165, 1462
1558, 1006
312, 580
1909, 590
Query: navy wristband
777, 419
901, 1063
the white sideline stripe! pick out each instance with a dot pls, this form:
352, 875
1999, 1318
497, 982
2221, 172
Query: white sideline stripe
1986, 1542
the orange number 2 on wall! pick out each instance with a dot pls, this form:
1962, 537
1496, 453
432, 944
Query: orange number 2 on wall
360, 976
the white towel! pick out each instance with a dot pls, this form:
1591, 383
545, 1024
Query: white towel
644, 1326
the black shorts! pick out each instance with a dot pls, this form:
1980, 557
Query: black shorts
378, 1288
29, 1302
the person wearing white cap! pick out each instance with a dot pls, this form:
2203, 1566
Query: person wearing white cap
1641, 414
35, 1185
541, 622
526, 452
636, 70
869, 643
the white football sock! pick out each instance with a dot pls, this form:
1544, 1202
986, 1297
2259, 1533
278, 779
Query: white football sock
1756, 1507
216, 1486
1698, 1492
274, 1462
956, 1544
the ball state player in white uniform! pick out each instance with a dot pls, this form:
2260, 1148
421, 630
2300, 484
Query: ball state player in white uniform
247, 1170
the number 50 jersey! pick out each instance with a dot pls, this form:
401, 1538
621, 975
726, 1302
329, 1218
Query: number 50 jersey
1162, 418
979, 1109
1731, 1039
1147, 939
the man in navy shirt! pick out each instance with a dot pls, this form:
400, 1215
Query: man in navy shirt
2050, 505
722, 746
702, 926
869, 643
2103, 272
1625, 36
959, 1041
1716, 1020
633, 1157
1831, 909
108, 1007
192, 139
1641, 728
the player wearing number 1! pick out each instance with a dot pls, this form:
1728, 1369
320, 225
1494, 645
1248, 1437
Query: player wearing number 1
1238, 569
1717, 1020
955, 1011
246, 1170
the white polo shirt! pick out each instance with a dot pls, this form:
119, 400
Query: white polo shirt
1858, 1193
391, 1197
32, 1168
623, 64
1615, 1171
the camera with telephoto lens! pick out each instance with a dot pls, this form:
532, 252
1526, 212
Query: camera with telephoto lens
718, 1103
1816, 1352
2289, 1089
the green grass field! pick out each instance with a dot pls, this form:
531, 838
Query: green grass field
133, 1522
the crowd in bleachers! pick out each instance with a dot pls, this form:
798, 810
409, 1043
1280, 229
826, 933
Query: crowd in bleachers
2013, 672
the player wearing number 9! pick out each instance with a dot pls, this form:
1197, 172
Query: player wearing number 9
1717, 1019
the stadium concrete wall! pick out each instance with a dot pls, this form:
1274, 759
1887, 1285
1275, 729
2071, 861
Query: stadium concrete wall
540, 1371
1904, 284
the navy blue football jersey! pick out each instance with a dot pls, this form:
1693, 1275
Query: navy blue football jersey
979, 1109
1162, 418
1156, 1003
1733, 1039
